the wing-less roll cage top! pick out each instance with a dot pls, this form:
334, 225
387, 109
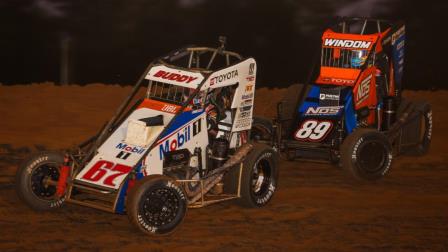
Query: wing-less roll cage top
204, 60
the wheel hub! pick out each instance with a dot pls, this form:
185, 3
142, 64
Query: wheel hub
373, 156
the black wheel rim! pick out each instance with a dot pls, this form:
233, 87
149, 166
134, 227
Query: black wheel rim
373, 157
261, 177
160, 206
39, 176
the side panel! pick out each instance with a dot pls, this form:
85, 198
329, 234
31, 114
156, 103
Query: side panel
189, 131
243, 73
319, 114
364, 91
398, 43
115, 158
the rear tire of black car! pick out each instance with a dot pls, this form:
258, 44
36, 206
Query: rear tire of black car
31, 177
366, 154
156, 205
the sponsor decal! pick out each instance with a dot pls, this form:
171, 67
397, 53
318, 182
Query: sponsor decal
246, 103
246, 108
174, 77
249, 88
347, 43
223, 77
328, 111
329, 97
339, 81
243, 123
123, 155
131, 149
179, 138
397, 34
245, 114
400, 45
251, 68
363, 90
169, 108
247, 96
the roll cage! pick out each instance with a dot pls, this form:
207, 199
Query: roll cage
200, 60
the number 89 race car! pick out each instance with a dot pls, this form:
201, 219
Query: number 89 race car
184, 144
353, 114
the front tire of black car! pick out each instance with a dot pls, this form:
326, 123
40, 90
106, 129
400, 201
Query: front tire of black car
366, 154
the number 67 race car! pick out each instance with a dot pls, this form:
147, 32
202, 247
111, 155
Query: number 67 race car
184, 144
353, 114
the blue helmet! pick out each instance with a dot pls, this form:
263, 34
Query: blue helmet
358, 58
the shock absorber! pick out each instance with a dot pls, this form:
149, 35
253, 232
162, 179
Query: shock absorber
63, 175
389, 113
220, 148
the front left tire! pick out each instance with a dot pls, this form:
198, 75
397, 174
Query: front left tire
32, 179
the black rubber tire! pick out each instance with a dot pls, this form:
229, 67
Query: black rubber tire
366, 154
30, 176
261, 129
166, 195
263, 159
423, 146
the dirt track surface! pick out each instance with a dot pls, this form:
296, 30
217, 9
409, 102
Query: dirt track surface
317, 206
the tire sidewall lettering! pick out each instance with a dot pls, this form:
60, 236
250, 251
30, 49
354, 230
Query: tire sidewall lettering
355, 153
272, 183
29, 169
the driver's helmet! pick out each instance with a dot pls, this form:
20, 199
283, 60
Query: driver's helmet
358, 58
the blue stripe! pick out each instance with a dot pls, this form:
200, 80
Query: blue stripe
181, 120
120, 207
350, 116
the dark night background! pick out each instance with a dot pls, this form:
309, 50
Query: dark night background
112, 41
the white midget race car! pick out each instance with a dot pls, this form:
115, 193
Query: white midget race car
184, 144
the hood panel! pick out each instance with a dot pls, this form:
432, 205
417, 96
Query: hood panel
116, 157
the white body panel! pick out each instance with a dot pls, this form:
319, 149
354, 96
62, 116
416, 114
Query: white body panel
123, 149
110, 150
